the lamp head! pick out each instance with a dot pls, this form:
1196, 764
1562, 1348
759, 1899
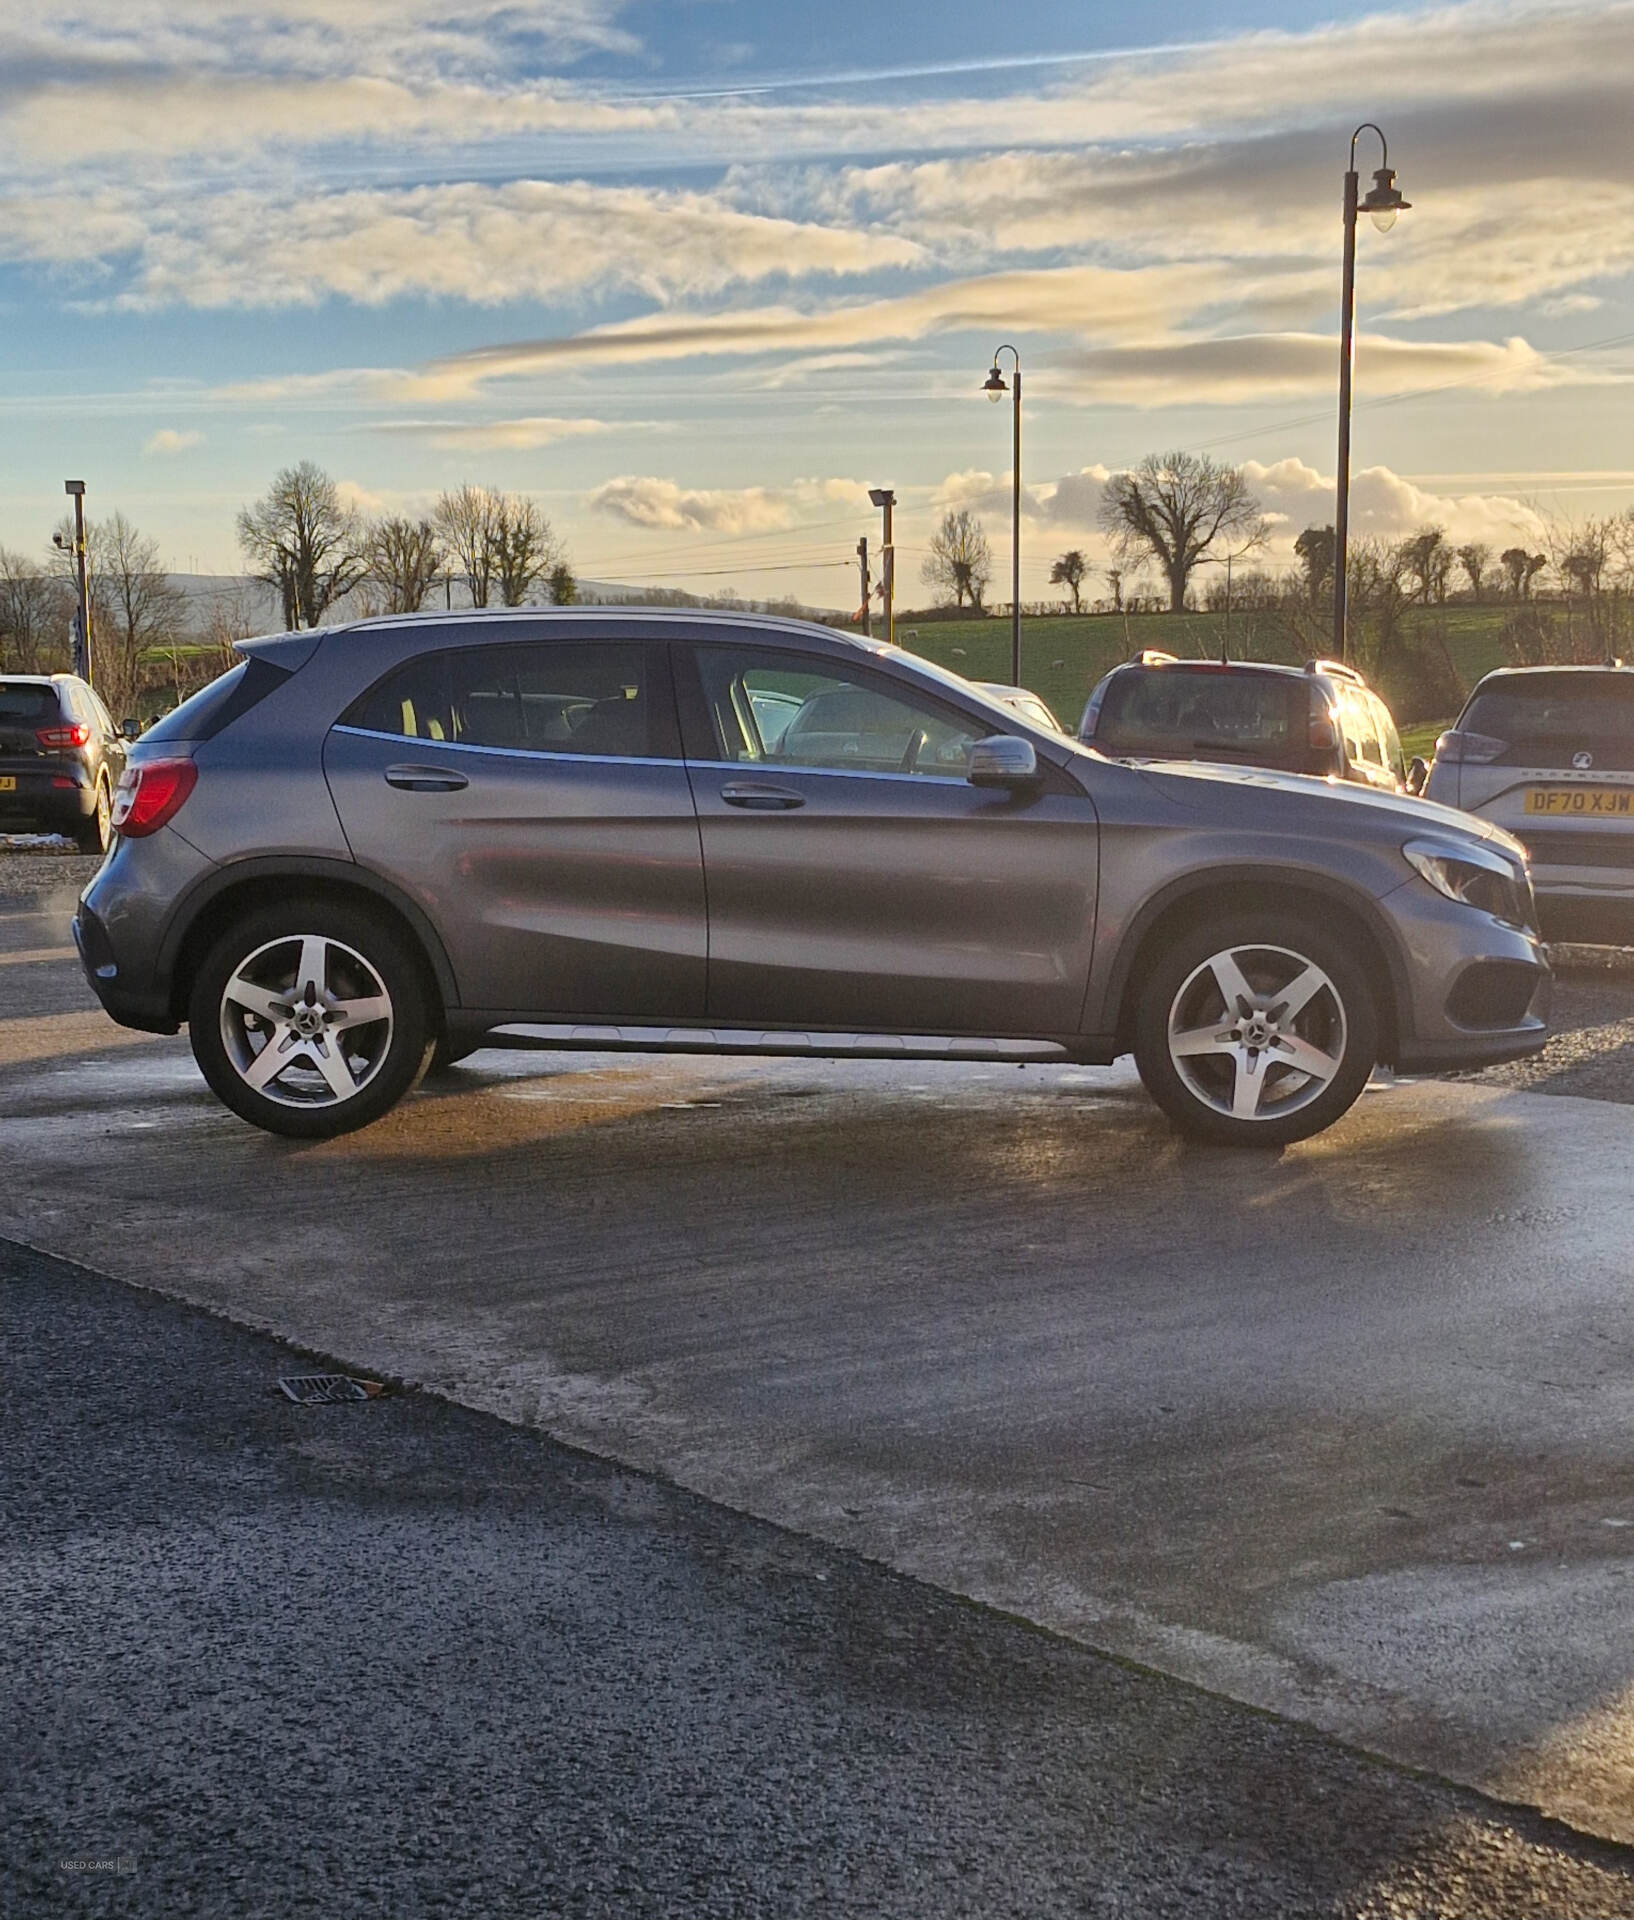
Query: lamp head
882, 496
1384, 199
995, 386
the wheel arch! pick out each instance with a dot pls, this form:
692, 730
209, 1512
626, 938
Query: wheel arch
211, 908
1245, 889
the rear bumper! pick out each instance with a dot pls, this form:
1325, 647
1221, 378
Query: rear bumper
1597, 911
146, 1009
39, 807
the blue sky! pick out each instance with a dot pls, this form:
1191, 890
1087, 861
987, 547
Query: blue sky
697, 273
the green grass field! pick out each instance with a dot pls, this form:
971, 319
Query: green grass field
1063, 655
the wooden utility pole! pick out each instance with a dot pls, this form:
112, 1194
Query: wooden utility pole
867, 587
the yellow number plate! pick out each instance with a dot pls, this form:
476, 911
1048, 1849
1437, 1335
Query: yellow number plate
7, 783
1597, 803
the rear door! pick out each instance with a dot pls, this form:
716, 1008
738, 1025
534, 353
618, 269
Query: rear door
857, 881
532, 798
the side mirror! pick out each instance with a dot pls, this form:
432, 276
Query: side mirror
1004, 760
130, 729
1418, 774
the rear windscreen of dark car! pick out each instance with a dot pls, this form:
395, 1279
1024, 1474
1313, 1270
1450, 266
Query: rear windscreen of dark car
1559, 714
26, 705
218, 705
1187, 712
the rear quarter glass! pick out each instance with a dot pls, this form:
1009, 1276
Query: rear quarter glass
215, 707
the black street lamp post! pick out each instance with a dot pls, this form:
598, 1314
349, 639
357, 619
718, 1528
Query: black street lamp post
993, 386
1383, 203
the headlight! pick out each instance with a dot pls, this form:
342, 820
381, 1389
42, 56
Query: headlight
1476, 878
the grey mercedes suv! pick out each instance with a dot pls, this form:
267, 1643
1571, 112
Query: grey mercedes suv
370, 846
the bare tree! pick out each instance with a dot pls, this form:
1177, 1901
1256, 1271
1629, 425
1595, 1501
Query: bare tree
468, 519
137, 607
1520, 569
405, 561
1473, 558
1069, 572
304, 543
1114, 579
1174, 508
1428, 559
1314, 550
34, 611
1580, 550
525, 549
959, 563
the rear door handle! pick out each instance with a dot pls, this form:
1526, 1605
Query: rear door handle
761, 799
426, 779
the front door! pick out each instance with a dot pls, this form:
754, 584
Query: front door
856, 880
531, 798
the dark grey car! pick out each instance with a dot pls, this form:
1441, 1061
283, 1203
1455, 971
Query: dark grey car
624, 829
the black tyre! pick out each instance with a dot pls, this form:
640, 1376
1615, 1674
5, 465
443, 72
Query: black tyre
92, 835
311, 1018
1256, 1030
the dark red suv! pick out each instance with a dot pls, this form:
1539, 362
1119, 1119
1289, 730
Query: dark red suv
60, 758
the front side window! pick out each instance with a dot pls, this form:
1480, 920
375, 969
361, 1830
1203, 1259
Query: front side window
573, 697
783, 710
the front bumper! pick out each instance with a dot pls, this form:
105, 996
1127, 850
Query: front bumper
1479, 989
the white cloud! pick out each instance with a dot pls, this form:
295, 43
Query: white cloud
498, 436
171, 440
646, 500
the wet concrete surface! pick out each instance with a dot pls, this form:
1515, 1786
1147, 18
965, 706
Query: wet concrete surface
1343, 1433
401, 1658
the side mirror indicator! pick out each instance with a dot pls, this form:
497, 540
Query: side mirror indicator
1003, 760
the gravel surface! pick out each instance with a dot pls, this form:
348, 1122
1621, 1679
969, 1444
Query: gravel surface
1591, 1053
401, 1659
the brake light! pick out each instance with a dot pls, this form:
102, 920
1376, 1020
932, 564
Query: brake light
1468, 749
150, 795
56, 738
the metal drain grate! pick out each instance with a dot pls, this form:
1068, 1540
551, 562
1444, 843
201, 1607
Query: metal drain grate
326, 1389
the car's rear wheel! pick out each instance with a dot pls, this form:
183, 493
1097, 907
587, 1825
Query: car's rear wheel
310, 1019
1256, 1030
94, 833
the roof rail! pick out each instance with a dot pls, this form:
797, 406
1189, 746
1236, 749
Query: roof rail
1152, 657
1335, 666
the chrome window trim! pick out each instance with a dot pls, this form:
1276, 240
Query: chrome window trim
771, 769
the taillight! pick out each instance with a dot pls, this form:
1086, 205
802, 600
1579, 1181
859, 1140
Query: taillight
1322, 735
151, 794
1468, 749
56, 738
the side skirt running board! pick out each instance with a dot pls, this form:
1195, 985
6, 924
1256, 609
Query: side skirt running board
840, 1046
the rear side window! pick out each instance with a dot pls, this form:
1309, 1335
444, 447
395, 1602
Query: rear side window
592, 698
23, 705
1165, 710
226, 699
1567, 709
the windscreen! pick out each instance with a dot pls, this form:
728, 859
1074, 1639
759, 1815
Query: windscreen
1187, 712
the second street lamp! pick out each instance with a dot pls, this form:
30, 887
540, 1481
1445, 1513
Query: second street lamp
1382, 204
993, 386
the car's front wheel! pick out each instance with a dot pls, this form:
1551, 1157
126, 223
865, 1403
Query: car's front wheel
1256, 1030
310, 1019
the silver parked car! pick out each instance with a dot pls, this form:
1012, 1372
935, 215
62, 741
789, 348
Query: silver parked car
628, 829
1548, 753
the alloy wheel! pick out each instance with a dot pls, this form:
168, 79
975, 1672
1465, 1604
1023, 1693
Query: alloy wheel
1257, 1032
306, 1021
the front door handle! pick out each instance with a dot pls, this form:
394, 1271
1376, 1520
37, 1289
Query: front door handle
761, 799
426, 779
